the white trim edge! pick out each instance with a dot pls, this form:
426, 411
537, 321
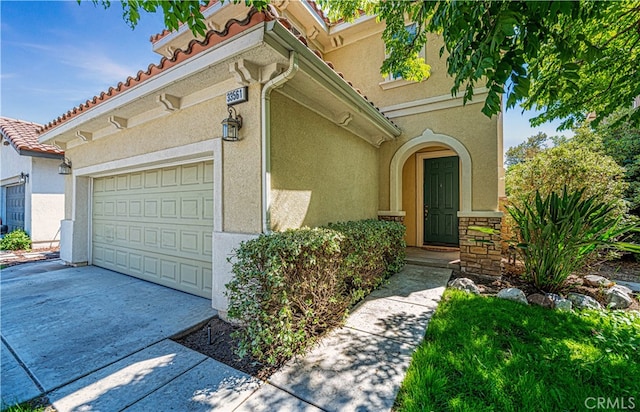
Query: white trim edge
445, 101
427, 139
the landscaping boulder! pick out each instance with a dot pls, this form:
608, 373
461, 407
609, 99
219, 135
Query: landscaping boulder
465, 284
618, 297
540, 300
597, 281
514, 294
581, 301
559, 303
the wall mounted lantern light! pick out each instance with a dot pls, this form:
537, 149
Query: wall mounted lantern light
24, 178
231, 125
65, 167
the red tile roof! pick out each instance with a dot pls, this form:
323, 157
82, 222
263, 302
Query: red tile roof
212, 38
319, 11
157, 37
23, 136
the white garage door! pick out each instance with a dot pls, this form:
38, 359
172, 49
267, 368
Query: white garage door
157, 225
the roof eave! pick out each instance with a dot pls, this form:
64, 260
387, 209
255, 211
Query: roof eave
253, 37
36, 153
278, 37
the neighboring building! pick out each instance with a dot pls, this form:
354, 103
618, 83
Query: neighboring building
32, 195
162, 197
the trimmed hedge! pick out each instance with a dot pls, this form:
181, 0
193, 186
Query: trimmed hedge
291, 287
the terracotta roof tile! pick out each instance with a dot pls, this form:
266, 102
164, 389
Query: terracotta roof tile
319, 11
157, 37
212, 38
24, 136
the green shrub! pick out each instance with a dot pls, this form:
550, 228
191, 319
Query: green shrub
558, 232
579, 163
16, 240
372, 250
291, 287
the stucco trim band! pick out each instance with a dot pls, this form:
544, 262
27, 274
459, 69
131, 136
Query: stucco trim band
429, 138
445, 101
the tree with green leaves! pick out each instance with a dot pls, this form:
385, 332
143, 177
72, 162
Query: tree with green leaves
575, 163
566, 58
175, 12
525, 150
621, 141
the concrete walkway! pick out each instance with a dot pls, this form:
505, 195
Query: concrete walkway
97, 340
361, 366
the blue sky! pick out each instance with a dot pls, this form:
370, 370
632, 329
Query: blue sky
57, 54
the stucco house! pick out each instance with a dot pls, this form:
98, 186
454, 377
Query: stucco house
156, 193
32, 192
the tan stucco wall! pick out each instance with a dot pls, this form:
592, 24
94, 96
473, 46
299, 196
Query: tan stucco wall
242, 183
367, 77
471, 128
319, 172
241, 166
479, 134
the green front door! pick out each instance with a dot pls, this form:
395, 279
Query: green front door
441, 200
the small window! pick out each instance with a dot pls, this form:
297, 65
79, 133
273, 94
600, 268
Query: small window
411, 29
394, 80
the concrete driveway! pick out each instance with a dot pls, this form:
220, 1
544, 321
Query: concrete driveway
62, 325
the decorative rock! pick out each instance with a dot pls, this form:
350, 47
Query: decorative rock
597, 281
513, 294
540, 300
559, 303
618, 297
465, 284
624, 289
581, 301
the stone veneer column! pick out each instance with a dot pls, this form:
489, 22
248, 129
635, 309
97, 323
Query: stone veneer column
480, 253
391, 216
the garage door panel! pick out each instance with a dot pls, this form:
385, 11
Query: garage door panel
157, 225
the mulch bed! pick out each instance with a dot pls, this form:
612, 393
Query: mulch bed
223, 347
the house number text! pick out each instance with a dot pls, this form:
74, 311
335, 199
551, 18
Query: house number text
237, 96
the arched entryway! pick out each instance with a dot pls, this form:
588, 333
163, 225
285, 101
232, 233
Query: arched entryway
431, 183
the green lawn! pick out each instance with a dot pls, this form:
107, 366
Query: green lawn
24, 407
488, 354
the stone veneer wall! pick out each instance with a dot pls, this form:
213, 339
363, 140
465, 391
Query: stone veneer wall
388, 218
480, 253
505, 230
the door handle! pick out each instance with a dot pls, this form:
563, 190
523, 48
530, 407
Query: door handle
426, 210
